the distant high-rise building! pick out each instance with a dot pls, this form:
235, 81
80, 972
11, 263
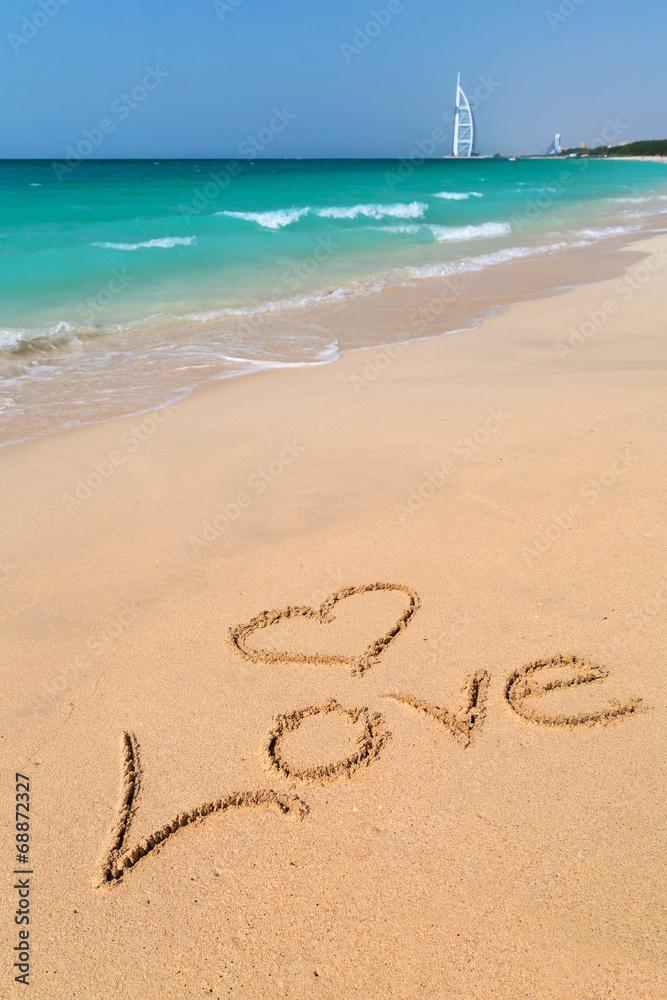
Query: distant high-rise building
464, 127
555, 147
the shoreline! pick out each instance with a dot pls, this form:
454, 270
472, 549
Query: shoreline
457, 302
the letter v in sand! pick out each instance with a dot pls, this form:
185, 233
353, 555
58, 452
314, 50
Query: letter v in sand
120, 859
469, 717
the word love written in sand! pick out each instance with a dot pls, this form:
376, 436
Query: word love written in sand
520, 691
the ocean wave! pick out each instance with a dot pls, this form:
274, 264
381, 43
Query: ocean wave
642, 200
582, 238
458, 195
444, 234
478, 263
327, 354
269, 220
598, 234
61, 335
281, 217
166, 242
413, 210
354, 289
395, 229
52, 337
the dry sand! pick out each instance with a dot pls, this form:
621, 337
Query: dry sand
207, 608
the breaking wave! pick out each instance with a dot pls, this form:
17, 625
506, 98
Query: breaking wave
269, 220
444, 234
167, 242
458, 195
413, 210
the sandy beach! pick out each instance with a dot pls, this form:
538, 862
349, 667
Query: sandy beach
348, 681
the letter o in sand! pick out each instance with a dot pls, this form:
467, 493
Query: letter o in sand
372, 738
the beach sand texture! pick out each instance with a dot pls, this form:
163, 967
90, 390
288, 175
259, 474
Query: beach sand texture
350, 681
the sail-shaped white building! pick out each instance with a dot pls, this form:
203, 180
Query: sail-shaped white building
464, 126
555, 147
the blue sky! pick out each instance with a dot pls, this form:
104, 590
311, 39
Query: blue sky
221, 70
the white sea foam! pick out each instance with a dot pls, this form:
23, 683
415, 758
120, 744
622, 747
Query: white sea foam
597, 234
355, 289
458, 195
583, 238
285, 216
478, 263
395, 229
330, 352
168, 241
269, 220
645, 198
444, 234
50, 337
413, 210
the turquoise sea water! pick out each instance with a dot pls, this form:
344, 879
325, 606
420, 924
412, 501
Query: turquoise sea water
160, 254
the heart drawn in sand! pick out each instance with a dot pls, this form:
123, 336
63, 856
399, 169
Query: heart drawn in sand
240, 634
